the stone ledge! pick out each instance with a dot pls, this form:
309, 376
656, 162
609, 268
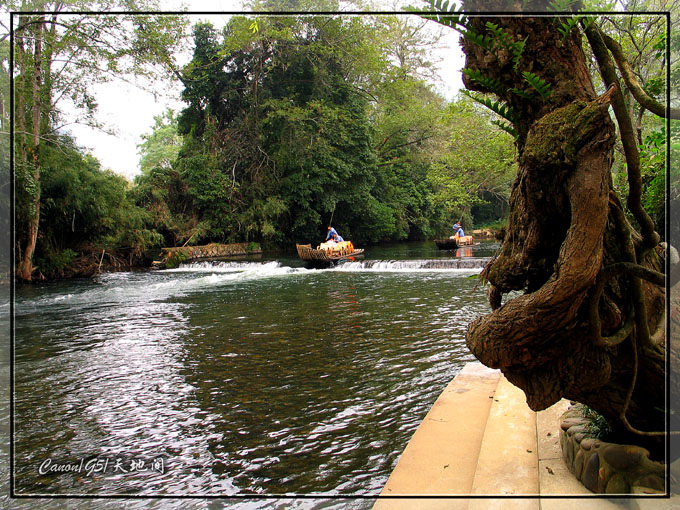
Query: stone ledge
213, 250
607, 468
172, 257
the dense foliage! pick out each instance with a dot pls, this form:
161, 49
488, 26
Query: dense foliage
291, 122
294, 121
5, 175
84, 208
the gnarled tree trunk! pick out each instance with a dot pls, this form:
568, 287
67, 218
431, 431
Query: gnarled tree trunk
566, 229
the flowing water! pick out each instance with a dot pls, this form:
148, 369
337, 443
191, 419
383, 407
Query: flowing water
255, 377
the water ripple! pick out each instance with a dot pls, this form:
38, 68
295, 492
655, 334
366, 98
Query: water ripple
251, 378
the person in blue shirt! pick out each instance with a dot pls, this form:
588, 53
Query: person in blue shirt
458, 230
331, 232
338, 238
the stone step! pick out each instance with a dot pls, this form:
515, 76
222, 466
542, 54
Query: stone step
508, 457
481, 440
440, 458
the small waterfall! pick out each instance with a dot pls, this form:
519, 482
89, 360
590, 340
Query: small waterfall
414, 265
275, 268
213, 266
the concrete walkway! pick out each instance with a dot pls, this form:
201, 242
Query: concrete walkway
481, 440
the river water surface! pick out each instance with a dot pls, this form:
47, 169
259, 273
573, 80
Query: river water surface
255, 377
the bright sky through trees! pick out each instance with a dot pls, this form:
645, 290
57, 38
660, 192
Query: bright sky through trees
130, 111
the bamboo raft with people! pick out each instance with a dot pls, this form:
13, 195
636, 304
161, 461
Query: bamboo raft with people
332, 251
455, 241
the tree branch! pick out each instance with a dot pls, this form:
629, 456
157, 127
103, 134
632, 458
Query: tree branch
623, 232
639, 271
629, 395
405, 144
649, 235
634, 85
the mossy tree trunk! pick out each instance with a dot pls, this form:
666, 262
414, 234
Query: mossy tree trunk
572, 333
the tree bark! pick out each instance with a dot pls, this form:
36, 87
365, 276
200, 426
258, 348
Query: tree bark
565, 227
20, 115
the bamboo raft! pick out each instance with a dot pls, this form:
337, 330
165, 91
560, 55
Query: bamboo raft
453, 242
320, 256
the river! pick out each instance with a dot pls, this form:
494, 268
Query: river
253, 377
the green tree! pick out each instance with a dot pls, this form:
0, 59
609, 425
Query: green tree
277, 128
162, 193
159, 188
57, 57
85, 209
410, 128
408, 43
318, 133
221, 148
159, 149
474, 169
5, 177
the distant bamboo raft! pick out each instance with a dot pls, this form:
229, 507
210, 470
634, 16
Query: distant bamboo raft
454, 242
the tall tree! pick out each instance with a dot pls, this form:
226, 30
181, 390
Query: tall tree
159, 148
409, 42
159, 188
5, 177
410, 127
58, 55
474, 170
278, 117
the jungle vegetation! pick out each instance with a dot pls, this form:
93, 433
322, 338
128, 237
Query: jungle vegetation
289, 121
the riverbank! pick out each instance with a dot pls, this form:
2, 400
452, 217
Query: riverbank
88, 263
92, 262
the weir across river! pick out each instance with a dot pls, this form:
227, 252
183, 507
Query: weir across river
210, 251
415, 264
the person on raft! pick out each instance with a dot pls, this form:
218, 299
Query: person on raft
331, 232
458, 230
338, 238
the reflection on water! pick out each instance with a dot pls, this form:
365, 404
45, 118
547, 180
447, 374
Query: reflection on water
239, 378
466, 251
